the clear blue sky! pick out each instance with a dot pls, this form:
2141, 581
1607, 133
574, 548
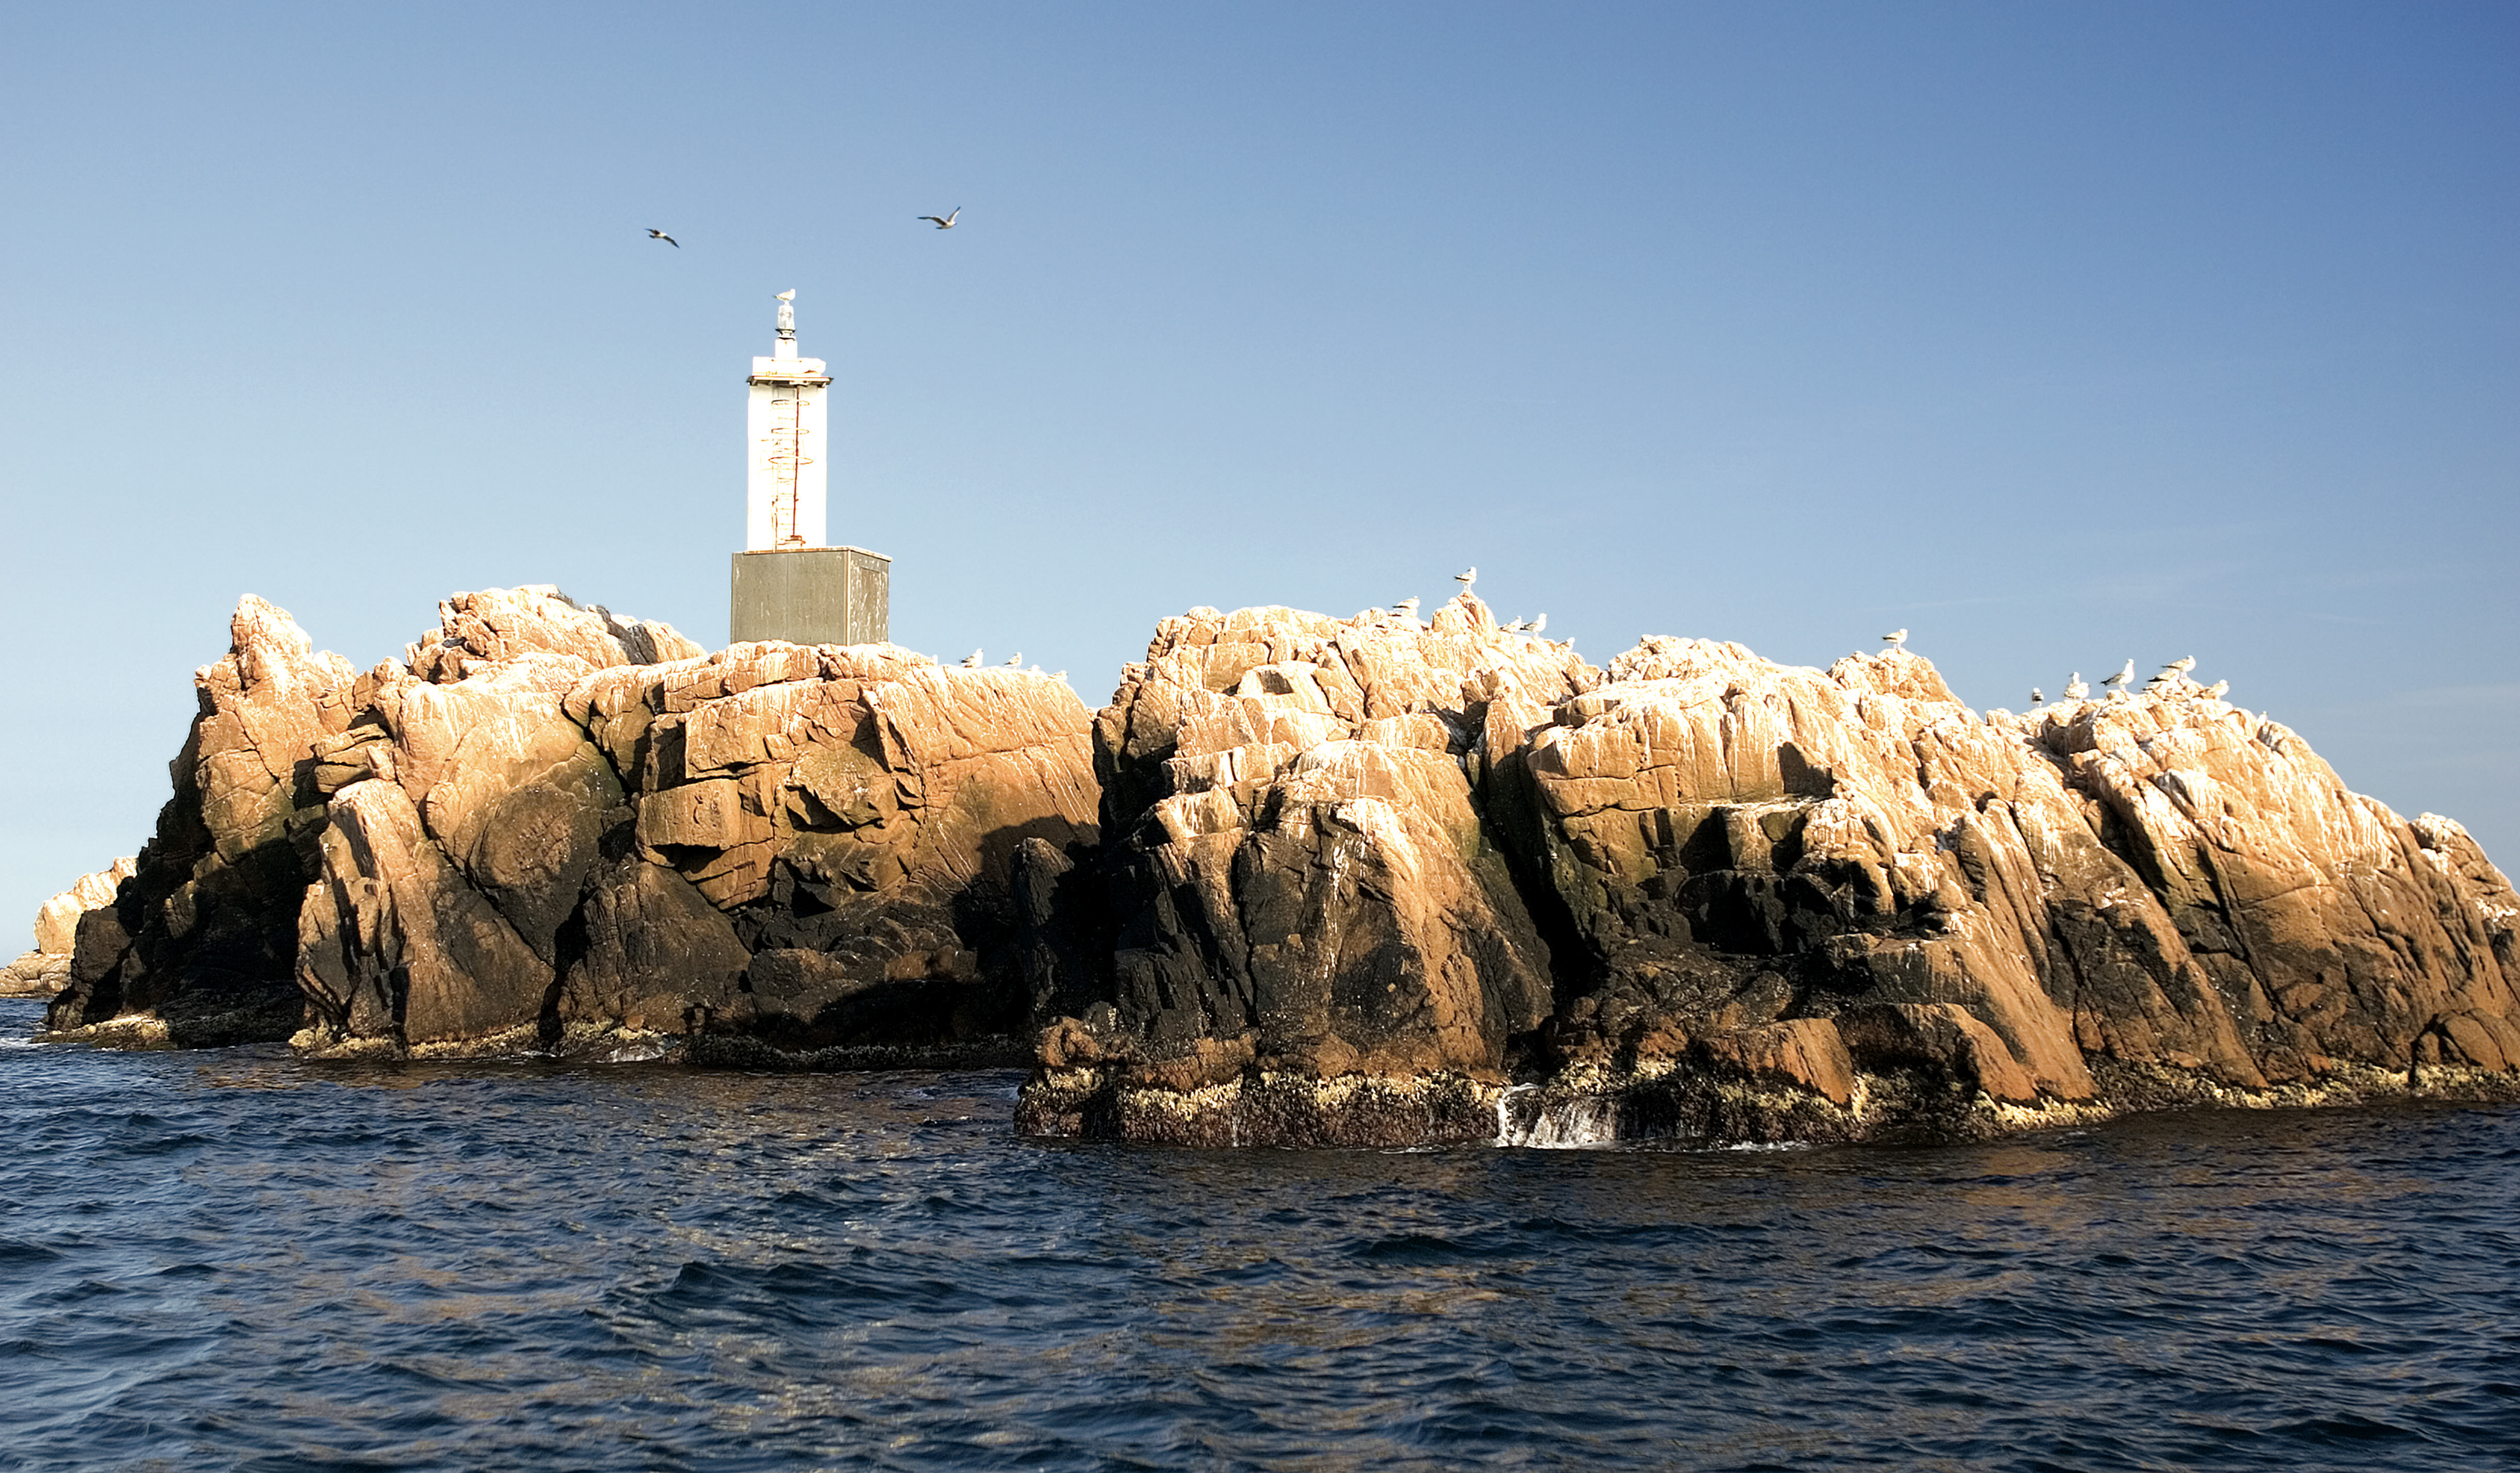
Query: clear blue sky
2058, 333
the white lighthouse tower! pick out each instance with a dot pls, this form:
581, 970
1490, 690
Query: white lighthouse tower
787, 484
788, 582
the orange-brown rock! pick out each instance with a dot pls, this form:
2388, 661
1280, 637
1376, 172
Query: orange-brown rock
807, 845
46, 969
549, 820
202, 936
1302, 883
1721, 896
1306, 881
503, 623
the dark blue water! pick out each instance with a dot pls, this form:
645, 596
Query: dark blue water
236, 1260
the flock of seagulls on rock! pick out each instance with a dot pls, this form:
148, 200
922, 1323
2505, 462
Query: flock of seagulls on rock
1013, 661
1468, 578
2171, 681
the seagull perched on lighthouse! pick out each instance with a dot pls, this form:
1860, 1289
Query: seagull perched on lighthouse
2125, 674
1895, 638
658, 234
945, 222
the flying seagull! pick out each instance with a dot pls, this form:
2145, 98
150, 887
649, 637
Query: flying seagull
971, 661
1895, 638
2125, 673
1467, 576
658, 234
945, 222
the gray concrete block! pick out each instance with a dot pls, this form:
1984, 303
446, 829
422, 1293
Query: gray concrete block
812, 596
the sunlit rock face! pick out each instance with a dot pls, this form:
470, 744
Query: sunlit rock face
45, 970
198, 943
1366, 874
549, 824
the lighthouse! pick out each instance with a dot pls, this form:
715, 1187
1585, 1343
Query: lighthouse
789, 583
787, 485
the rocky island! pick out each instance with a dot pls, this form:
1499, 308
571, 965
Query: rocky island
1305, 880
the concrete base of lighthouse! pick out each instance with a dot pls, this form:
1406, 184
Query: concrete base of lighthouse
812, 596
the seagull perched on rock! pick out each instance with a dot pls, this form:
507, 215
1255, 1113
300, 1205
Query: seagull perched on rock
2179, 667
1895, 638
658, 234
2036, 696
2125, 674
1467, 576
1019, 659
2077, 688
945, 222
1408, 606
971, 661
2218, 689
1536, 625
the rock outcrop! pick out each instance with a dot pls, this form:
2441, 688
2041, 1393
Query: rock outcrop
551, 824
46, 969
1302, 887
1374, 881
198, 944
1307, 880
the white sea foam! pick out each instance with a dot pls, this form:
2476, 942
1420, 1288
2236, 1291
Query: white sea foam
1556, 1125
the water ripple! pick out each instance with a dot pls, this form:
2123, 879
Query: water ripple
240, 1261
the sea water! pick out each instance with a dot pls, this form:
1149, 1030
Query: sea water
237, 1260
